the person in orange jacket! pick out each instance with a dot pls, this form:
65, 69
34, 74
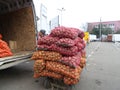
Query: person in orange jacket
4, 49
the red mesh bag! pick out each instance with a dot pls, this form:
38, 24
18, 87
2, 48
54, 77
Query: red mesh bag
81, 34
79, 40
80, 43
64, 32
72, 61
83, 53
43, 47
47, 40
65, 42
65, 51
80, 46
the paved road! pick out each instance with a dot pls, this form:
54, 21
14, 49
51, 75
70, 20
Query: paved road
101, 72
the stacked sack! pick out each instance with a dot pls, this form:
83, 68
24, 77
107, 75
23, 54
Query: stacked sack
61, 55
4, 49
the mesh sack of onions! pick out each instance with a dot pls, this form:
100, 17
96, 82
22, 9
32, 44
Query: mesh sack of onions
65, 51
83, 62
70, 81
46, 55
80, 43
72, 61
83, 53
47, 40
78, 40
63, 69
80, 46
43, 47
81, 34
39, 66
64, 32
65, 42
47, 73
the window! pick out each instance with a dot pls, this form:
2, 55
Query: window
104, 25
96, 26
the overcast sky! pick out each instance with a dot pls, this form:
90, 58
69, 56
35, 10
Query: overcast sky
78, 12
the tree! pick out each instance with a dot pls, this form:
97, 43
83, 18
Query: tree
95, 31
104, 31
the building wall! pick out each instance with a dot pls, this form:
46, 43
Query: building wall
115, 25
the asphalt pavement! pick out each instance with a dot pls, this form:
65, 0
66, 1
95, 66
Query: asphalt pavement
101, 71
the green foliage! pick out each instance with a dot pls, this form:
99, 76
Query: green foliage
95, 31
104, 30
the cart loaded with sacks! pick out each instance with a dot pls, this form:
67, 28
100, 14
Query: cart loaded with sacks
60, 57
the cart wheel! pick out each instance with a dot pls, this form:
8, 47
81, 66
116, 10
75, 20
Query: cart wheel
47, 84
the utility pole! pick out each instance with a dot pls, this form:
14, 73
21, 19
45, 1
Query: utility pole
61, 10
100, 30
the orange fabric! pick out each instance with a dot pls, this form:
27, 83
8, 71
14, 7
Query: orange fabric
4, 49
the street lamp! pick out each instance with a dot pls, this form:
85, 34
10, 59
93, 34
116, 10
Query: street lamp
100, 29
61, 10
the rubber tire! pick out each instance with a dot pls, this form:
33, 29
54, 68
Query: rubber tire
47, 84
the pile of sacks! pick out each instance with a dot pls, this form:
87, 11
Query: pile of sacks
4, 48
61, 55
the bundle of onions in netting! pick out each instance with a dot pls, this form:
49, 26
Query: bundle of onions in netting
63, 69
39, 66
48, 73
72, 61
65, 51
46, 55
65, 42
48, 40
60, 55
63, 32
